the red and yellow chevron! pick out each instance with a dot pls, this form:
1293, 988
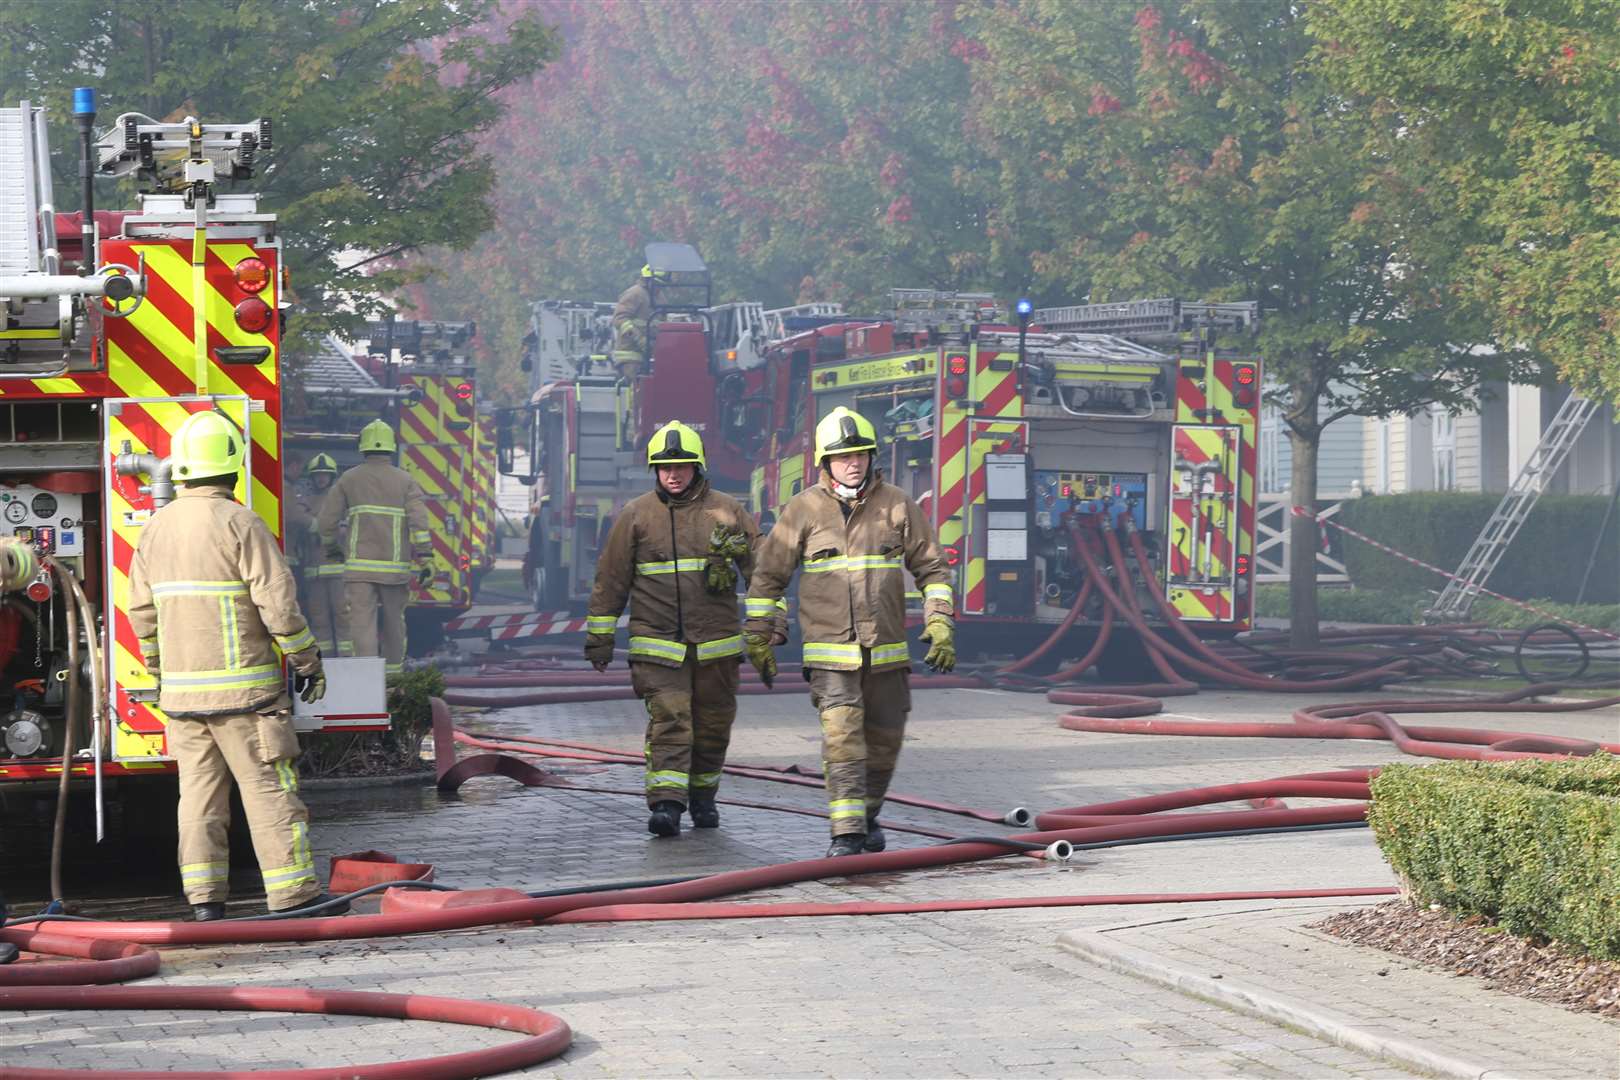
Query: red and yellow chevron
431, 452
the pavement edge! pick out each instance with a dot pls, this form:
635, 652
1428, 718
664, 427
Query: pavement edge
1094, 946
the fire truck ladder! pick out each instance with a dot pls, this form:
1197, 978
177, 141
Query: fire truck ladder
1139, 318
1510, 514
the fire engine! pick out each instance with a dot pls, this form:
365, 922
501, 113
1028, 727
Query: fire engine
117, 326
417, 376
1011, 435
579, 441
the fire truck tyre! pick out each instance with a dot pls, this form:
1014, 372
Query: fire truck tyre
548, 1035
1125, 660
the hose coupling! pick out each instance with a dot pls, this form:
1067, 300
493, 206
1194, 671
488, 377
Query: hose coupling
1058, 851
1018, 817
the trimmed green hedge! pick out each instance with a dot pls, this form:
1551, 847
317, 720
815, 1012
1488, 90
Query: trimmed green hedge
1531, 845
1404, 609
1547, 558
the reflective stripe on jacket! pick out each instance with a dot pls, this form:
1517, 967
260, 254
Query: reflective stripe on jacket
853, 590
387, 520
214, 606
655, 558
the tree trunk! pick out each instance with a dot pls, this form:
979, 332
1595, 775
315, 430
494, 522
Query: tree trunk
1302, 539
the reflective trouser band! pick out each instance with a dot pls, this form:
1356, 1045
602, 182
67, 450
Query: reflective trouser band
938, 592
601, 624
673, 566
295, 643
852, 562
658, 649
393, 669
899, 653
763, 609
330, 570
203, 681
706, 779
714, 650
204, 873
386, 566
846, 808
665, 778
832, 654
300, 870
287, 774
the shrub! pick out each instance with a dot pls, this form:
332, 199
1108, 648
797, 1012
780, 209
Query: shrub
1547, 558
381, 752
1532, 845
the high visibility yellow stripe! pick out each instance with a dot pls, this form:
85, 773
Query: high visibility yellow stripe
666, 778
651, 646
898, 653
601, 624
714, 650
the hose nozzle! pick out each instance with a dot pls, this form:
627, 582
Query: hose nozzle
1058, 851
1018, 817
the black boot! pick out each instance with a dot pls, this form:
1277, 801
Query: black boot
705, 815
847, 844
875, 840
208, 912
665, 819
306, 910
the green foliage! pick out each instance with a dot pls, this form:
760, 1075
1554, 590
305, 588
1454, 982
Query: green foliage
393, 751
376, 106
1534, 845
1547, 558
1375, 606
1510, 115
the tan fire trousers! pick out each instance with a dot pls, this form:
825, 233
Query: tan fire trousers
863, 722
364, 598
259, 750
690, 710
327, 607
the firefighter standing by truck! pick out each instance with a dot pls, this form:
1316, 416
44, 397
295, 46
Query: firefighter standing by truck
632, 318
213, 603
674, 554
320, 576
852, 534
388, 542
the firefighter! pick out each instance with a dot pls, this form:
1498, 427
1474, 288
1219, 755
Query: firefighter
674, 553
382, 508
215, 608
852, 534
632, 318
320, 576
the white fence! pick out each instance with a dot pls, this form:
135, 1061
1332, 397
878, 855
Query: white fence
1271, 547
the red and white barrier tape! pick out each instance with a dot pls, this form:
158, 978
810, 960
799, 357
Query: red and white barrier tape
1300, 511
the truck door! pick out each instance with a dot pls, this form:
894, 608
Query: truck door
1203, 521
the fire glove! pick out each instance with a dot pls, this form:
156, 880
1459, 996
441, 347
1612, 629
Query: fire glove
599, 650
334, 551
725, 547
758, 648
940, 633
424, 572
310, 685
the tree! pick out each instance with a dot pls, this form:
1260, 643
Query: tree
375, 105
1212, 161
1509, 111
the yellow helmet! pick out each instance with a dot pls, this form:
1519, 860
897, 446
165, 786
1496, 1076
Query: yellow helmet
844, 431
377, 438
649, 274
675, 444
205, 445
320, 463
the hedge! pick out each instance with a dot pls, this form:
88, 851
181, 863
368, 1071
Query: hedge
1531, 845
1405, 609
1546, 559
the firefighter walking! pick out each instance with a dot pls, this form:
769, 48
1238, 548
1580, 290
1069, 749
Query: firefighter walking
674, 554
388, 543
215, 608
320, 575
852, 534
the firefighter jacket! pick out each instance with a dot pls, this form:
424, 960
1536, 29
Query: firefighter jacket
387, 520
306, 555
212, 601
630, 315
655, 557
852, 593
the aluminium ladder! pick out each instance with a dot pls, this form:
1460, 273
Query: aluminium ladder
1510, 514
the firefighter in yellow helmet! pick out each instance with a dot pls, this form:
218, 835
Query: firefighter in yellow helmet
674, 554
852, 535
632, 323
388, 544
215, 609
320, 577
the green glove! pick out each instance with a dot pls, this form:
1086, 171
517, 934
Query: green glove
310, 685
758, 648
725, 546
599, 650
940, 632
